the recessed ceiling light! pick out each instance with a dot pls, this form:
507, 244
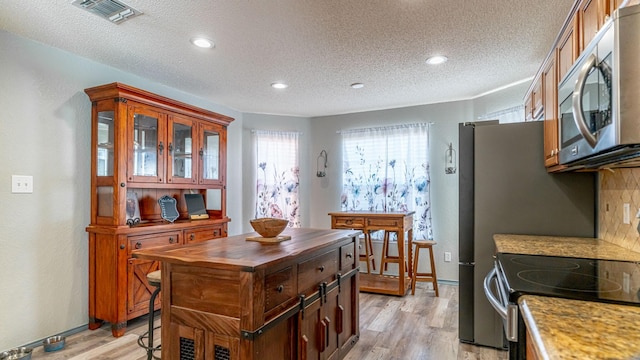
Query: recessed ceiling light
202, 43
279, 85
437, 59
357, 85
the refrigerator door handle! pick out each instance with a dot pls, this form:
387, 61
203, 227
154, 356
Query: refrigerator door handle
495, 302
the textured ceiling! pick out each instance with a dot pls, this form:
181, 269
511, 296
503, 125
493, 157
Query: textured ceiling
318, 47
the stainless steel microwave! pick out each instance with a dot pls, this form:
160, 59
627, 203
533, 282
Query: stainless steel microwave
599, 98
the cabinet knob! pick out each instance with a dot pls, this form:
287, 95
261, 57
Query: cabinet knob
160, 147
138, 245
321, 268
192, 236
170, 148
280, 288
201, 152
122, 246
123, 184
349, 255
348, 222
171, 241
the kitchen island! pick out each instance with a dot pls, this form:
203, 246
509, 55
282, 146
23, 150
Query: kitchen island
237, 299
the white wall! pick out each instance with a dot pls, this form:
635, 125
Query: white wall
45, 132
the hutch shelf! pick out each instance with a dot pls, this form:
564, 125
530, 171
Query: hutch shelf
143, 147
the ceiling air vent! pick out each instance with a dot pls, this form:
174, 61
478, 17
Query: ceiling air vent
112, 10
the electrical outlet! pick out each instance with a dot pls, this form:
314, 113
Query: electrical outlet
626, 279
447, 256
21, 184
626, 218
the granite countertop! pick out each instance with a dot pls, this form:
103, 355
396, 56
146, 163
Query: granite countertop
563, 246
575, 329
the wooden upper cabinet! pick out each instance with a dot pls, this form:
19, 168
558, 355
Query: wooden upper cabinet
550, 100
181, 154
592, 15
568, 48
536, 100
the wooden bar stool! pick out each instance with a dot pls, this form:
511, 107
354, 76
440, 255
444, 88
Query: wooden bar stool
386, 258
154, 279
428, 276
368, 252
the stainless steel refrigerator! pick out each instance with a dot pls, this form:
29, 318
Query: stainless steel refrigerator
504, 188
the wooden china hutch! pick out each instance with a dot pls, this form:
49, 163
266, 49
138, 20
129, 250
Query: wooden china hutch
145, 147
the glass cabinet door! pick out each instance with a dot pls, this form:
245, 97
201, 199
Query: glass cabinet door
147, 147
180, 166
210, 154
105, 144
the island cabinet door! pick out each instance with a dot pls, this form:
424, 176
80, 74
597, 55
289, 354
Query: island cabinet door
347, 322
189, 343
318, 335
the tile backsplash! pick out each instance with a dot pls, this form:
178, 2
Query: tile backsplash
617, 187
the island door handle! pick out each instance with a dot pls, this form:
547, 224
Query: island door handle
280, 288
340, 319
322, 334
326, 328
138, 245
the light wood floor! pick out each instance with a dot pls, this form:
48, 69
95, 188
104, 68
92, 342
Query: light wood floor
391, 327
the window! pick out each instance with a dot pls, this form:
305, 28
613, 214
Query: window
387, 169
277, 175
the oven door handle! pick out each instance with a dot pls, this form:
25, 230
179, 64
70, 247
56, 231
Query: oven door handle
495, 302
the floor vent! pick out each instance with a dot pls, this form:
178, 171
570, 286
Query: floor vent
112, 10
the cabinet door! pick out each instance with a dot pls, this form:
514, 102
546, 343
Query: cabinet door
180, 167
310, 342
146, 144
139, 290
347, 314
550, 94
318, 328
592, 16
212, 154
567, 48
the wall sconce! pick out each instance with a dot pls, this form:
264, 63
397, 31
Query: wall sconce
450, 160
321, 164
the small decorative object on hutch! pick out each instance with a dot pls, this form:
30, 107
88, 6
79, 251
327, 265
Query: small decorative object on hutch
147, 153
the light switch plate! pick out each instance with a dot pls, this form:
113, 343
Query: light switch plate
21, 184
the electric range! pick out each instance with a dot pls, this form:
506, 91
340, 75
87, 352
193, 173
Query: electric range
515, 275
572, 278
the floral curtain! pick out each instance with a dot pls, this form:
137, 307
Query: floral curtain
277, 175
387, 169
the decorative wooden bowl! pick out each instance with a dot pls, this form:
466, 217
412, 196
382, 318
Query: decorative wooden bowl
269, 227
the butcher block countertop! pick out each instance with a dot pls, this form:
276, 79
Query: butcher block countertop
238, 253
590, 248
575, 329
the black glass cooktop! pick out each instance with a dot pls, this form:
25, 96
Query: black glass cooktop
573, 278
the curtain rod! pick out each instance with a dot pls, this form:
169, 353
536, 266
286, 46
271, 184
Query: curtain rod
398, 126
277, 131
